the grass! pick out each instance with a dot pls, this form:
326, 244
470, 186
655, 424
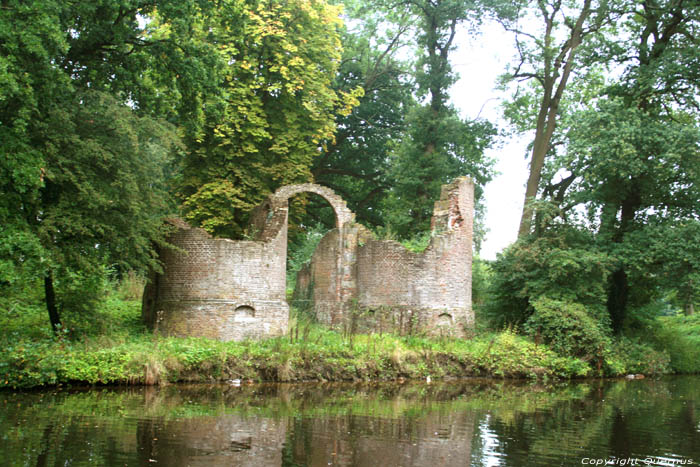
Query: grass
111, 346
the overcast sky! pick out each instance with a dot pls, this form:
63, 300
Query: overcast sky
478, 61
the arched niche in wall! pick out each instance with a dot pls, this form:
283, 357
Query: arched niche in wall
244, 313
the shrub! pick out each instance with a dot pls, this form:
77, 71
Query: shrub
680, 337
628, 355
568, 328
563, 264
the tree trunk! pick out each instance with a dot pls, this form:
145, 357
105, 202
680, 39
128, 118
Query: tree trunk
689, 309
539, 151
547, 116
51, 302
617, 299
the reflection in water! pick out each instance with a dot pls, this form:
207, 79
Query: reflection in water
389, 424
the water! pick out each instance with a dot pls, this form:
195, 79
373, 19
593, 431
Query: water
640, 422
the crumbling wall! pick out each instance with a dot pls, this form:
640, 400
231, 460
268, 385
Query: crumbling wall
235, 290
227, 289
218, 288
331, 279
390, 288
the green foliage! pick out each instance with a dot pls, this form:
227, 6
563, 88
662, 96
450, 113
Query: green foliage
568, 328
499, 358
301, 250
624, 151
84, 155
357, 165
278, 107
635, 356
680, 337
663, 256
562, 265
418, 243
481, 280
437, 147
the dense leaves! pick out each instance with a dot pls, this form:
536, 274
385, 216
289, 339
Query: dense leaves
569, 328
82, 171
563, 265
438, 145
277, 112
625, 172
357, 165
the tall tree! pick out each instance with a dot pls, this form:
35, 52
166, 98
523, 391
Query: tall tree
633, 159
82, 160
357, 165
278, 110
438, 145
635, 170
547, 54
630, 159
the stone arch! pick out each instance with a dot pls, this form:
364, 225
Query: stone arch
343, 215
270, 217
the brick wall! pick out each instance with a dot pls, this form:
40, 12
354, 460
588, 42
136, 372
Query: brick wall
235, 290
219, 288
387, 287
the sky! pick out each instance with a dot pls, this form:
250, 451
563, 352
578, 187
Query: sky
479, 60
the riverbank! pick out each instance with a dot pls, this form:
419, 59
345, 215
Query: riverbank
113, 347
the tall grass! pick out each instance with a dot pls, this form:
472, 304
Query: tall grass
112, 346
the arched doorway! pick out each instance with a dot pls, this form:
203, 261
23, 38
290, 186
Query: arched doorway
270, 224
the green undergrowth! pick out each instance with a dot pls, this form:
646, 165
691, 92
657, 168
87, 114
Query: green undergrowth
111, 346
680, 336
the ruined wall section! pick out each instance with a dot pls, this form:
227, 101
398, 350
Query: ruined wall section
330, 281
235, 290
232, 290
218, 288
392, 288
430, 291
324, 280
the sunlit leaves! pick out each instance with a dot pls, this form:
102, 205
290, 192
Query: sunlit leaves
277, 111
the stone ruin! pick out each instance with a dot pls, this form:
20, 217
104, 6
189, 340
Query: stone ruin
236, 289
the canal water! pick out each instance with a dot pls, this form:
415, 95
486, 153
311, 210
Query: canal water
453, 423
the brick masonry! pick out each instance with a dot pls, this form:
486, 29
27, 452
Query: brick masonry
235, 290
361, 283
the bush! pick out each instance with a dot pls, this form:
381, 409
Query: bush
680, 337
511, 355
563, 264
568, 328
418, 243
628, 355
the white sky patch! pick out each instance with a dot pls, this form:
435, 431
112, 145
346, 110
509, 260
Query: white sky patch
479, 60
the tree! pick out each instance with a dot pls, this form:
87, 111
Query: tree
357, 165
636, 170
629, 158
641, 146
550, 62
562, 264
82, 161
438, 144
278, 110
